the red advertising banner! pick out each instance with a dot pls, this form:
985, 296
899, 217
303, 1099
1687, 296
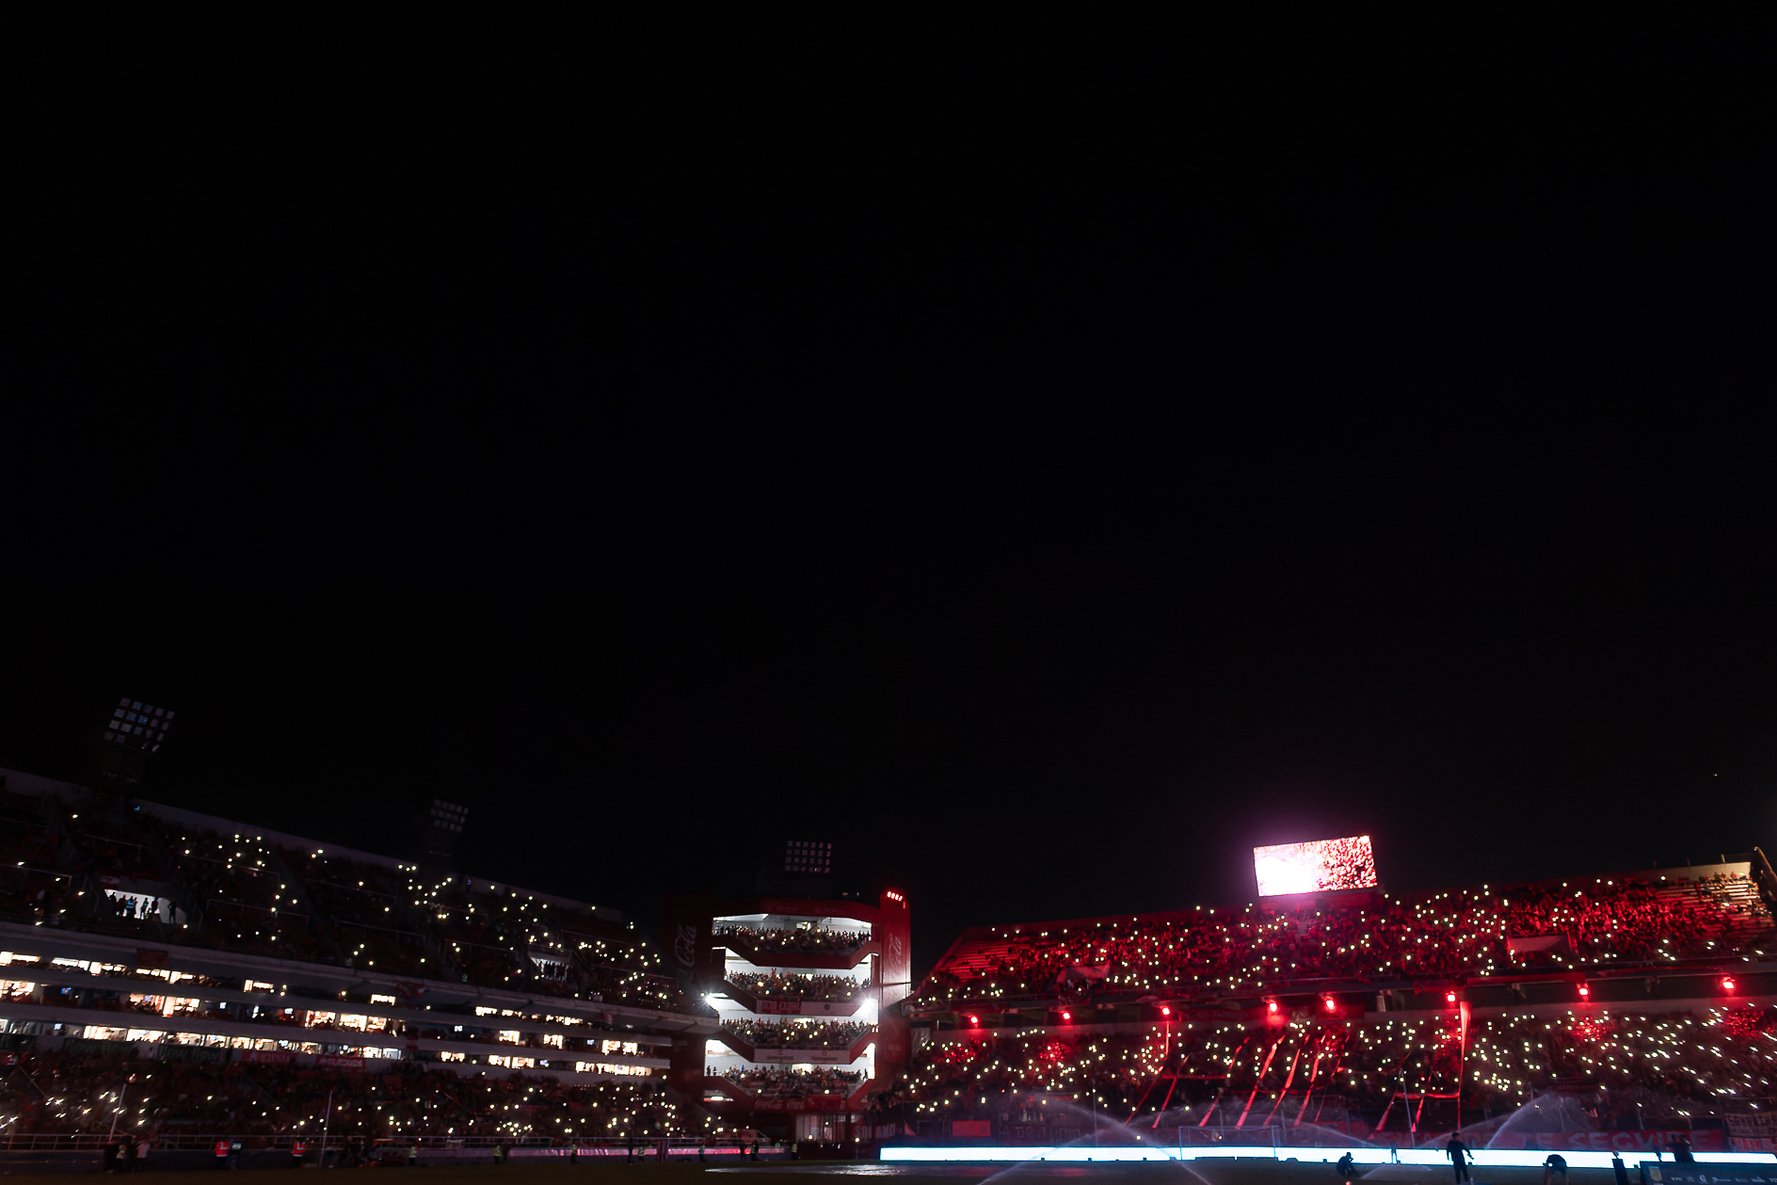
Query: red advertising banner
337, 1061
816, 1102
266, 1057
893, 976
1632, 1144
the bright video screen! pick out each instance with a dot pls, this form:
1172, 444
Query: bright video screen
1315, 866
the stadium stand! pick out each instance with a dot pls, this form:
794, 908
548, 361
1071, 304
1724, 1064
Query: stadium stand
191, 979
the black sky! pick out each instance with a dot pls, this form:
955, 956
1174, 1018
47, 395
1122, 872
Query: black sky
1064, 474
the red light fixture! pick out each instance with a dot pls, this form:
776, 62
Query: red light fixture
1166, 1010
1585, 991
1450, 997
1330, 1004
1270, 1005
1727, 983
974, 1020
1066, 1015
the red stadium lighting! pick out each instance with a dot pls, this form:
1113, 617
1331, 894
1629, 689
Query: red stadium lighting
1330, 1004
1585, 991
973, 1021
1727, 983
1270, 1005
1066, 1015
1450, 997
1166, 1010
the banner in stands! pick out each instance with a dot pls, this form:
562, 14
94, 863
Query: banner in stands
813, 1102
809, 1007
811, 1057
1653, 1173
1524, 946
1755, 1132
99, 1046
692, 957
202, 1054
1629, 1143
335, 1061
266, 1057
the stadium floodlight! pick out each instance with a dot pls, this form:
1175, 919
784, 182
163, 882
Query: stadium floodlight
448, 816
134, 732
139, 726
808, 856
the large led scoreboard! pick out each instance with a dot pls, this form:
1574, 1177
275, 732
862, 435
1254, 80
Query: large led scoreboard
1315, 866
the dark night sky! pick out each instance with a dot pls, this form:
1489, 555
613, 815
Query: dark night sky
1063, 476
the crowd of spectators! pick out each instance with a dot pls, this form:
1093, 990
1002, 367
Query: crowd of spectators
797, 939
70, 1093
781, 1082
791, 985
809, 1034
239, 891
1616, 922
1641, 1069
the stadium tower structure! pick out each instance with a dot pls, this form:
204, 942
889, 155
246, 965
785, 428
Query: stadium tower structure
158, 935
807, 991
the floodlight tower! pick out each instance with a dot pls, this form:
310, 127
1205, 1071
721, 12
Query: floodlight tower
442, 830
806, 870
134, 732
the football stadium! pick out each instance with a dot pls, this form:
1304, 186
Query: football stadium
187, 993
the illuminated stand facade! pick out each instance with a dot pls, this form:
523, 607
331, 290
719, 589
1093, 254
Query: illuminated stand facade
805, 992
151, 932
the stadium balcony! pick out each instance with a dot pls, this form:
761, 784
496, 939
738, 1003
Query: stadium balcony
792, 994
24, 810
792, 949
114, 842
834, 1044
406, 953
37, 896
240, 868
760, 1089
361, 911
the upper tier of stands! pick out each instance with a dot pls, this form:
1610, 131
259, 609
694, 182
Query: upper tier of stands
114, 867
1561, 926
